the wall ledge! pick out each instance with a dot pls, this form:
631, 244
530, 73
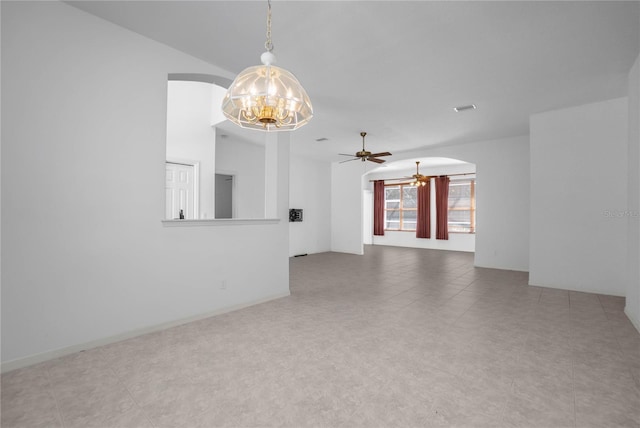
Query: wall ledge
220, 222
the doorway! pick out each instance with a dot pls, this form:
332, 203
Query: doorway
224, 196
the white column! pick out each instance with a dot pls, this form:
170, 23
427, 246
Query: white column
276, 175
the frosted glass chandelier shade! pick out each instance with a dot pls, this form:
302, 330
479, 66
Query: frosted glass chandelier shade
267, 98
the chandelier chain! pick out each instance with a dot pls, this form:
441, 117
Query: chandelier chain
268, 44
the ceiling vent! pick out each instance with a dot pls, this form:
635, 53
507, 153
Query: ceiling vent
463, 108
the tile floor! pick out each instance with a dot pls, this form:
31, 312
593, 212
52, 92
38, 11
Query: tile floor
395, 338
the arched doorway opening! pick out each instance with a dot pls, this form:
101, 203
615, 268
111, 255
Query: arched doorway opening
212, 166
400, 203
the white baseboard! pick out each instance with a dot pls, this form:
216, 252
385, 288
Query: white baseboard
57, 353
571, 288
634, 321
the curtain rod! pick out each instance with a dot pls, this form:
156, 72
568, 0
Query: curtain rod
430, 176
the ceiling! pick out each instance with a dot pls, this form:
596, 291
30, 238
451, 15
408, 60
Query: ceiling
396, 69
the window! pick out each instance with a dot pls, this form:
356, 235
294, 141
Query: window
400, 207
462, 206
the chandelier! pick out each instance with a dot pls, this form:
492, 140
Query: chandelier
266, 97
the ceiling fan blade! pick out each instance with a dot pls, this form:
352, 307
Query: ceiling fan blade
349, 160
344, 154
372, 159
377, 155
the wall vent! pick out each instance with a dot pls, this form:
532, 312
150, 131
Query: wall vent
463, 108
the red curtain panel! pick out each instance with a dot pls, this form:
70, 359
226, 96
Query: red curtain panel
442, 207
378, 207
423, 229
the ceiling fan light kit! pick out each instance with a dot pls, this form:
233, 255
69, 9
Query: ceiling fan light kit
266, 97
365, 155
419, 179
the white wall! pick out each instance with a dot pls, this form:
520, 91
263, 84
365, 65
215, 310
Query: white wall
367, 216
346, 207
456, 242
502, 211
246, 162
1, 221
502, 192
578, 188
310, 189
85, 255
190, 136
632, 308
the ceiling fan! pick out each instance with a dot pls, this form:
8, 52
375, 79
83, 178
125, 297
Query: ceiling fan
364, 155
419, 179
422, 180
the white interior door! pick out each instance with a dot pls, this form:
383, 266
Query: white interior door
179, 191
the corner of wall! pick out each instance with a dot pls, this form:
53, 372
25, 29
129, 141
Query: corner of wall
635, 321
632, 304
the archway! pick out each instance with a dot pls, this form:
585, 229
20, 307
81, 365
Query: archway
203, 148
401, 207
